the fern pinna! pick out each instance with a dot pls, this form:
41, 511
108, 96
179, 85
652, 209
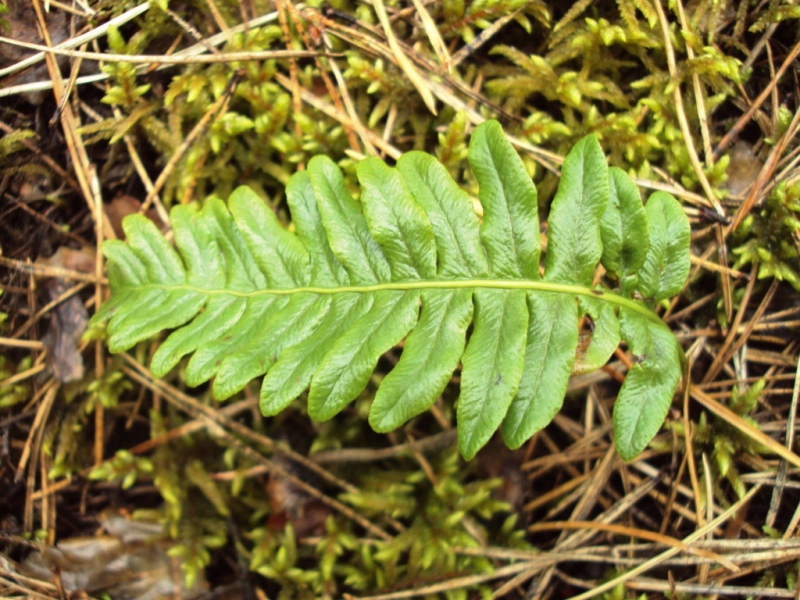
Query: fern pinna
317, 307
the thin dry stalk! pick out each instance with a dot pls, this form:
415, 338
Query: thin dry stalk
649, 564
734, 132
681, 114
160, 59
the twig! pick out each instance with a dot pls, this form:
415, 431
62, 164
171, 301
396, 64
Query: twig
681, 114
402, 60
351, 455
160, 59
766, 173
32, 344
635, 533
43, 271
654, 562
698, 91
745, 118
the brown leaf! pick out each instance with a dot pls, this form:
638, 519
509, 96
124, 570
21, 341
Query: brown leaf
124, 205
129, 562
69, 319
67, 323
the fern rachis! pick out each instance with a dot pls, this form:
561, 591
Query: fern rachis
317, 307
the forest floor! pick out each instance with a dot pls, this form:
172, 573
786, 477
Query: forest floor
115, 482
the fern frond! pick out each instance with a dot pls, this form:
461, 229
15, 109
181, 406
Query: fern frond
317, 307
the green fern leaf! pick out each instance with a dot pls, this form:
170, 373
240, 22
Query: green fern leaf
624, 230
316, 308
668, 233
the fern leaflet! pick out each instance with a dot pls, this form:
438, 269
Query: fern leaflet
316, 308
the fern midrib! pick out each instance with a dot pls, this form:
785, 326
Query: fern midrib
502, 284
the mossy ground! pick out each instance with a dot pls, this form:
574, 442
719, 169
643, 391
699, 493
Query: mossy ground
699, 99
